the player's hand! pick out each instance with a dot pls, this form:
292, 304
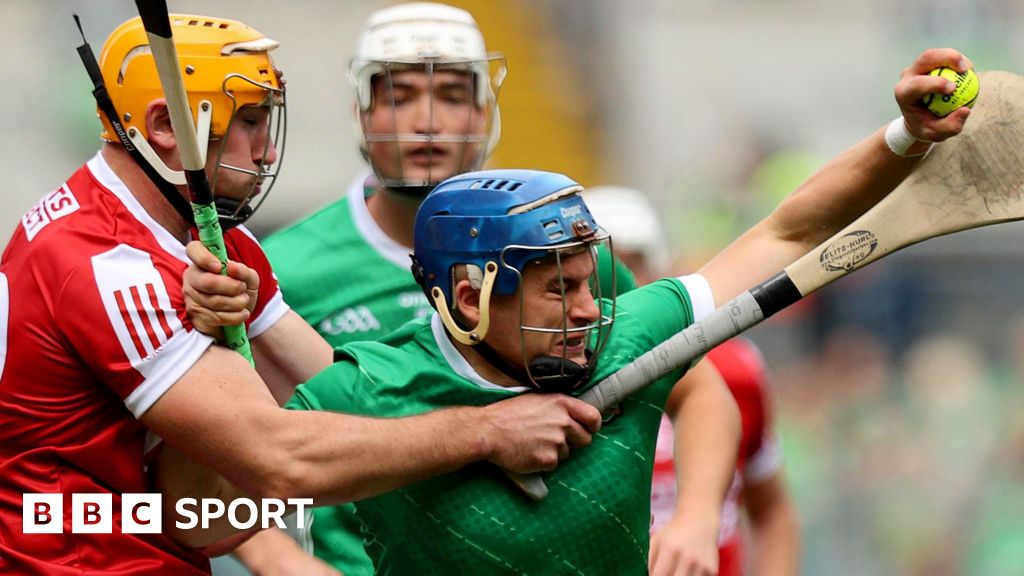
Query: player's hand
686, 546
274, 553
915, 84
533, 432
213, 300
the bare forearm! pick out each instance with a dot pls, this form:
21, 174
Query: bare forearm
707, 434
336, 458
834, 196
348, 458
775, 529
288, 354
340, 458
839, 192
776, 548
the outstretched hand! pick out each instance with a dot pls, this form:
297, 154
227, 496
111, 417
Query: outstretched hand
213, 300
915, 84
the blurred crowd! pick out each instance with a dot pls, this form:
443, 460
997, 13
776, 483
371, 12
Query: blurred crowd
904, 451
904, 465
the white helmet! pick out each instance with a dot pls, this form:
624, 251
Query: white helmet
633, 223
435, 37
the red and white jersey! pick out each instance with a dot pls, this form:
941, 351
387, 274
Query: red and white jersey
743, 369
93, 331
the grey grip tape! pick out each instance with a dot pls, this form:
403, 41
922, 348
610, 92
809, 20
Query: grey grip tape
734, 317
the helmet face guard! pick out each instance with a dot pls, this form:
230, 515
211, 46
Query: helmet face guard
427, 120
559, 373
426, 95
235, 211
500, 222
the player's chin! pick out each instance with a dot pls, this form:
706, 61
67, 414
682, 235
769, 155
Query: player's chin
434, 174
244, 193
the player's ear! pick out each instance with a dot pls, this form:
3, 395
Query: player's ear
467, 302
158, 126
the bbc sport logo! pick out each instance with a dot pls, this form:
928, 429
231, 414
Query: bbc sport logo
142, 513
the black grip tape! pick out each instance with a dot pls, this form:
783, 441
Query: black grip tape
775, 294
154, 17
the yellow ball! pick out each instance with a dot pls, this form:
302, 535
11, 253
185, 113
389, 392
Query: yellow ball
965, 94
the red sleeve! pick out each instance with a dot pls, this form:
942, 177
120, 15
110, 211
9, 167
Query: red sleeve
243, 247
122, 311
743, 368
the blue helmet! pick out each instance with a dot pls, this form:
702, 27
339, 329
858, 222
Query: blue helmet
497, 221
471, 219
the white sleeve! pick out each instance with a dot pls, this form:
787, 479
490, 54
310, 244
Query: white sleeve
271, 313
766, 462
701, 298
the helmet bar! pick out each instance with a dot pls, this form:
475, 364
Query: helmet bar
567, 191
361, 73
479, 332
558, 373
236, 211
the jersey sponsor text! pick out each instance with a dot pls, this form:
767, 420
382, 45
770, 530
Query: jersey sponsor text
53, 206
349, 320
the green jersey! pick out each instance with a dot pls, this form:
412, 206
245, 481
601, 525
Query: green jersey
350, 281
345, 276
597, 516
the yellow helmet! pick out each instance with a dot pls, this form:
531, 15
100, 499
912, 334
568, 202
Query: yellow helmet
221, 60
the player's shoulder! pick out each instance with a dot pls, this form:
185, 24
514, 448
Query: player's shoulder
311, 228
364, 369
77, 220
398, 355
242, 244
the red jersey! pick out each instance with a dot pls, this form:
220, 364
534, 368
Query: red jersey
93, 331
743, 369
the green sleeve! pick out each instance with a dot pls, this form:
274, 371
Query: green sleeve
331, 389
663, 307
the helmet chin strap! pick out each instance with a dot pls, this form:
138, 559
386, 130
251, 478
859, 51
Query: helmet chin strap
545, 373
418, 192
231, 212
558, 374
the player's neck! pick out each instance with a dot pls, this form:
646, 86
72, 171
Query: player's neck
395, 214
152, 201
485, 369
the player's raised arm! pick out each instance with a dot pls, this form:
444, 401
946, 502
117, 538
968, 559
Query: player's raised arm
846, 186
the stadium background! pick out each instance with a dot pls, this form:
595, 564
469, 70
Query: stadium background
897, 387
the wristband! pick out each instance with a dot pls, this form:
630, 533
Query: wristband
899, 139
